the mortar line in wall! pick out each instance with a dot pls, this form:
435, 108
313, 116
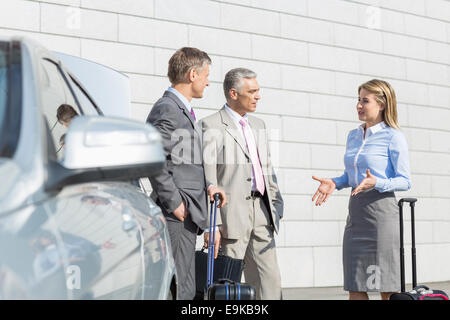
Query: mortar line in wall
346, 193
341, 170
40, 18
118, 28
422, 245
305, 143
271, 10
340, 246
356, 2
188, 28
344, 220
403, 12
307, 43
291, 64
313, 266
276, 37
285, 63
354, 25
279, 64
343, 121
330, 119
433, 130
317, 170
307, 92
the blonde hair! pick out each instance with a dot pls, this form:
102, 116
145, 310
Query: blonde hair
385, 96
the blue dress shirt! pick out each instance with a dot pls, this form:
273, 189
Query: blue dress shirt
384, 151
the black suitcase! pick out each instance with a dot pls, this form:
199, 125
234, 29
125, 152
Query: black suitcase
418, 292
223, 289
224, 268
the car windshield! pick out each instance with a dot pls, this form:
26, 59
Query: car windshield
3, 84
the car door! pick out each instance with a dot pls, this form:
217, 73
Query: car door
100, 238
32, 264
155, 251
102, 242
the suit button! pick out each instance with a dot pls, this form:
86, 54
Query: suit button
249, 179
248, 198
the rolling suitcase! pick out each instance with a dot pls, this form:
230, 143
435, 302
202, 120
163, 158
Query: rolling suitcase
223, 289
418, 292
224, 268
226, 289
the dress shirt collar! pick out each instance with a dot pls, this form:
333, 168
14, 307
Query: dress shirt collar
236, 116
183, 99
374, 129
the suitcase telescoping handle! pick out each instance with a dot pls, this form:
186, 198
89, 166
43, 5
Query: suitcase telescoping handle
212, 236
412, 202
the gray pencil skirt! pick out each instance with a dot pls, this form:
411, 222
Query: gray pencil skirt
371, 249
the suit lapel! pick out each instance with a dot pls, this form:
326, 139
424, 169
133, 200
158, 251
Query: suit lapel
233, 130
181, 105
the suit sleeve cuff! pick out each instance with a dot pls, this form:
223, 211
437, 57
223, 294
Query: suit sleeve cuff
173, 203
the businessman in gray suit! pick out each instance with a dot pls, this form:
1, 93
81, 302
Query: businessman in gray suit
181, 189
237, 159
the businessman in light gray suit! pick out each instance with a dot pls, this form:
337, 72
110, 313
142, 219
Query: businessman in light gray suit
237, 159
180, 189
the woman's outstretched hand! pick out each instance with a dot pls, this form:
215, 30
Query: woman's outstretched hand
324, 191
368, 182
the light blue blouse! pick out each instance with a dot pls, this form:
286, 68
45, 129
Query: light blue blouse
384, 151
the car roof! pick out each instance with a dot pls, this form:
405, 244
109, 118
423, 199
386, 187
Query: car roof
30, 44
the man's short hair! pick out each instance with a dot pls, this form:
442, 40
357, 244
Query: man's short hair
233, 79
183, 60
65, 113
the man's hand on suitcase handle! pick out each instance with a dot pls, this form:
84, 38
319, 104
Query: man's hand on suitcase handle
216, 242
212, 190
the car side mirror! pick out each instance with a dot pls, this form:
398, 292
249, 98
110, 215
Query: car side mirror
101, 148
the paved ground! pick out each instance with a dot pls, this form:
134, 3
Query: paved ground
337, 293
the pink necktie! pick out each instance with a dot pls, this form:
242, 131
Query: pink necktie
193, 114
256, 164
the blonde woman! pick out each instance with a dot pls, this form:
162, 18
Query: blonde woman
376, 164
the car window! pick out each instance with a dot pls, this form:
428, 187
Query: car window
86, 104
59, 106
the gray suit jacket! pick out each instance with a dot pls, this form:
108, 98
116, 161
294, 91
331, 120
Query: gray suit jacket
228, 166
183, 176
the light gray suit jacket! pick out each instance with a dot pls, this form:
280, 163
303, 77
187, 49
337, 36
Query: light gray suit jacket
228, 166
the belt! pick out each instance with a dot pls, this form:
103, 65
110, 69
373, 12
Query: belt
256, 194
